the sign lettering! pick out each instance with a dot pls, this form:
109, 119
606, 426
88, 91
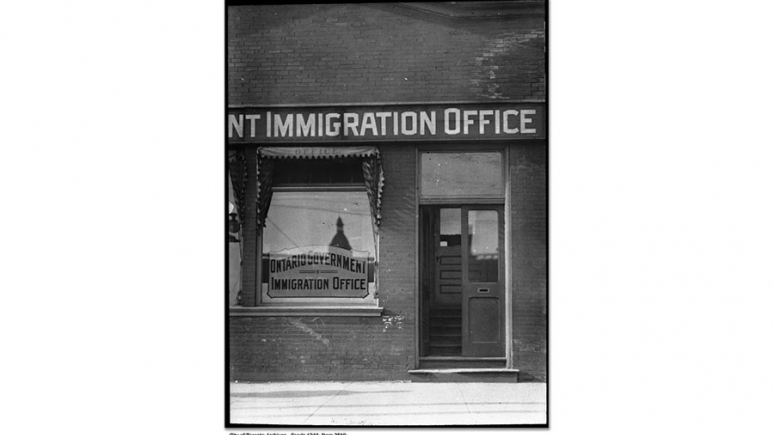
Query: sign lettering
490, 121
324, 271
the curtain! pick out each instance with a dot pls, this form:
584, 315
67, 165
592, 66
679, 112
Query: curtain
237, 170
374, 182
265, 168
237, 181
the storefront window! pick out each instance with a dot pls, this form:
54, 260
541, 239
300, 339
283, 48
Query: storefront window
319, 242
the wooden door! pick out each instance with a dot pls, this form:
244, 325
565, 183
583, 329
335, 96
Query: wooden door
482, 281
462, 271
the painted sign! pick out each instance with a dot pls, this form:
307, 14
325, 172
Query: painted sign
323, 271
387, 123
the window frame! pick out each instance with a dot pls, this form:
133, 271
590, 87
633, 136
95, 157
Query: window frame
368, 306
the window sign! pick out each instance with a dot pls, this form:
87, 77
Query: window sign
318, 271
319, 246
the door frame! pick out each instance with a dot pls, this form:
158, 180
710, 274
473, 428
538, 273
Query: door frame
505, 201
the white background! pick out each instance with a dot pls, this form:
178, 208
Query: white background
112, 276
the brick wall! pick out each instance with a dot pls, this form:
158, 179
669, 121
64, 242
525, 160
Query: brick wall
362, 53
529, 236
351, 348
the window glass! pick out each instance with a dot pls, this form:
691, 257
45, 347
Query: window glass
483, 261
451, 225
463, 174
309, 218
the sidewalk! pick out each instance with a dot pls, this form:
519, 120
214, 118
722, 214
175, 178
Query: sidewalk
303, 404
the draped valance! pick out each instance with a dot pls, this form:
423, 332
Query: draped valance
317, 152
373, 174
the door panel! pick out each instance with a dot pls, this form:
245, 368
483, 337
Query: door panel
448, 257
484, 320
482, 281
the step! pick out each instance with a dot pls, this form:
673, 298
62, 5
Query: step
446, 350
446, 323
446, 341
458, 326
446, 315
463, 371
465, 375
447, 326
445, 330
460, 362
444, 345
446, 311
445, 335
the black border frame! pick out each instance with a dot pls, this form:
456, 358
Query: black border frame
226, 374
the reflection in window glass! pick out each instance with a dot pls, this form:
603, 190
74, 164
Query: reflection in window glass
483, 262
302, 219
451, 225
462, 174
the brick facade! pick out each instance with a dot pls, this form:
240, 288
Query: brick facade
309, 54
530, 269
383, 53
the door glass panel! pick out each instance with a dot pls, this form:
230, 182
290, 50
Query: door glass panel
451, 224
484, 246
449, 257
449, 175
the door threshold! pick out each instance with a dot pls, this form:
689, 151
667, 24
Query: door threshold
462, 363
462, 358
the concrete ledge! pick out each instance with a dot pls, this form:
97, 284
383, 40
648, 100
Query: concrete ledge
333, 311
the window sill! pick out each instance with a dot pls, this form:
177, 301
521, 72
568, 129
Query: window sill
333, 311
